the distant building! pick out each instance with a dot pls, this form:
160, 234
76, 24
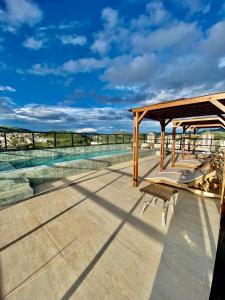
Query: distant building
206, 138
151, 137
2, 142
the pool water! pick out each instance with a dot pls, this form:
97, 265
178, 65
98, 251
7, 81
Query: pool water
58, 158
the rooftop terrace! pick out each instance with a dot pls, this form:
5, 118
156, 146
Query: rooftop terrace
86, 239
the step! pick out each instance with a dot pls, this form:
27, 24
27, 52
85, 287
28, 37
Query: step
11, 184
15, 195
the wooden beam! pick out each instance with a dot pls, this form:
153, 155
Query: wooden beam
173, 146
142, 116
221, 118
167, 122
183, 142
218, 105
162, 142
178, 123
222, 202
181, 102
188, 121
207, 125
135, 149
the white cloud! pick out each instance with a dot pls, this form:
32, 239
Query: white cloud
64, 116
73, 40
110, 17
112, 32
19, 12
157, 12
127, 70
221, 62
100, 46
7, 88
164, 38
87, 130
194, 6
82, 65
33, 43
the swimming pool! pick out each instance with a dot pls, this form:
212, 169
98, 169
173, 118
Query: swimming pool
21, 171
61, 157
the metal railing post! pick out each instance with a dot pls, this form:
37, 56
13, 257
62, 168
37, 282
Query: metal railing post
72, 140
54, 136
5, 138
33, 142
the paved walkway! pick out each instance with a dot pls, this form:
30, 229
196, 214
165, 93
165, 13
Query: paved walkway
89, 241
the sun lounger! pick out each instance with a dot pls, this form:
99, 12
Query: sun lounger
194, 181
193, 163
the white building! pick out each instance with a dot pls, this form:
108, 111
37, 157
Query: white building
151, 137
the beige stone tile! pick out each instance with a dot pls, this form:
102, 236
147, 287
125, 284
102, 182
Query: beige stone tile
52, 282
15, 221
71, 230
25, 258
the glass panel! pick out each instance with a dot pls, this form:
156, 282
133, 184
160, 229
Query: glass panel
19, 140
81, 139
103, 139
112, 139
119, 138
63, 139
127, 139
43, 140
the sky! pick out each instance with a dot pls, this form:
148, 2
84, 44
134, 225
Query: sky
80, 65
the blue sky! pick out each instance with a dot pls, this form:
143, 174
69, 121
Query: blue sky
79, 65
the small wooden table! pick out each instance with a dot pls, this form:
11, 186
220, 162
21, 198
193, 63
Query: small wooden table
159, 191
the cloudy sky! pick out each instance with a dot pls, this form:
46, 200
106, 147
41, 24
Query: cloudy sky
79, 65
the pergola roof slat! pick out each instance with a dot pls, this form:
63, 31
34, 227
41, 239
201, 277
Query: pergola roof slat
181, 108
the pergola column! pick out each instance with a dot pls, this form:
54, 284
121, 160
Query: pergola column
222, 200
183, 142
194, 141
173, 145
138, 116
189, 143
162, 123
135, 149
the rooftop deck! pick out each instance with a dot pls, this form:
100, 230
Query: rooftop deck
89, 241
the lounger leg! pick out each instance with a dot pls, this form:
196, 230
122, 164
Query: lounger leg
149, 202
154, 199
146, 204
164, 213
173, 201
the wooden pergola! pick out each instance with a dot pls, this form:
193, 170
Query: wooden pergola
193, 124
212, 105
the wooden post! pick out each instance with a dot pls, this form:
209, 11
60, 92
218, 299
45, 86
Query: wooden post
183, 142
222, 203
189, 143
162, 123
135, 149
194, 142
173, 146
